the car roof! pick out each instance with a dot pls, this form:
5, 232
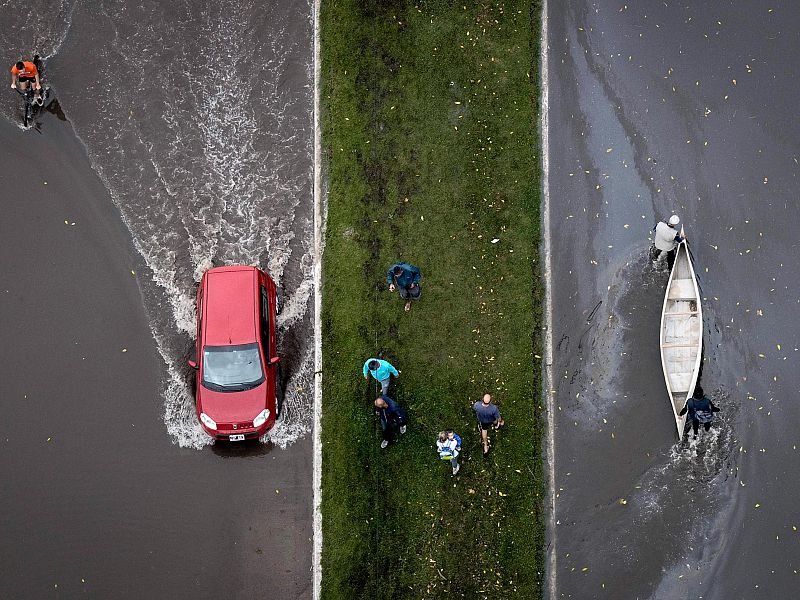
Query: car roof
230, 306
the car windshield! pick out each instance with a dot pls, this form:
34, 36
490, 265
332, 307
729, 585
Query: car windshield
232, 368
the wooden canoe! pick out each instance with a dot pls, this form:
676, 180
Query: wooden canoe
681, 337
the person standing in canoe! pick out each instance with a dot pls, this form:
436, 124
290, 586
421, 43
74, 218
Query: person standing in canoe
701, 410
667, 238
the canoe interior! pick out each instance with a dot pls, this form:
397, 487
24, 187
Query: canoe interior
681, 334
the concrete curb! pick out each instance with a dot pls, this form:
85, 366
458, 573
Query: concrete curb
319, 241
548, 365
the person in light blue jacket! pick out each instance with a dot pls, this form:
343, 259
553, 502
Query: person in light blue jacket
381, 370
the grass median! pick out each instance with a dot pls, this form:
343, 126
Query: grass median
431, 154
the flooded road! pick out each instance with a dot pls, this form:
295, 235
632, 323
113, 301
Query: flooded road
654, 110
187, 144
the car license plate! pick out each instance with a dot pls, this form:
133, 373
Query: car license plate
237, 437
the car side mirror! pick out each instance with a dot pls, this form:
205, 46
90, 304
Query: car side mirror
274, 360
193, 364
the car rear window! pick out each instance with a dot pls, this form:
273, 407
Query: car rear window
232, 368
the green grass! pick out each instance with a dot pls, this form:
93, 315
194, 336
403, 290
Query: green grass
431, 152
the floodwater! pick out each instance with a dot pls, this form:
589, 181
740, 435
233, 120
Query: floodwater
686, 108
181, 138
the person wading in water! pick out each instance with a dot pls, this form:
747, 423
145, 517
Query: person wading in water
701, 410
667, 239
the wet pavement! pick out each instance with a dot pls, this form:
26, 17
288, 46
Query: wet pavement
150, 168
688, 109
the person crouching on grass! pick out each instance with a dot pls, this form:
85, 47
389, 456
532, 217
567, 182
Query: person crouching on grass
404, 277
449, 446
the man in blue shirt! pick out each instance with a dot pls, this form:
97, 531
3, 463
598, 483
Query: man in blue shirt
488, 414
404, 277
381, 370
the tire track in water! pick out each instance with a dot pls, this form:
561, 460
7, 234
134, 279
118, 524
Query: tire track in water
198, 119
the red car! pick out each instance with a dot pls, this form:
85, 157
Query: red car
237, 362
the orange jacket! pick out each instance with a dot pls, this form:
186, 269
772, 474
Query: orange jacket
30, 70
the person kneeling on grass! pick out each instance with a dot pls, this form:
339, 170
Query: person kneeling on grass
391, 415
404, 277
449, 446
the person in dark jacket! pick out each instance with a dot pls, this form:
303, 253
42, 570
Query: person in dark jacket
392, 416
701, 410
405, 278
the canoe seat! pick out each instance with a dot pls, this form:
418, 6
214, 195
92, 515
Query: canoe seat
679, 382
681, 289
691, 344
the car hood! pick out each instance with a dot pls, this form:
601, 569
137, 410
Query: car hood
232, 407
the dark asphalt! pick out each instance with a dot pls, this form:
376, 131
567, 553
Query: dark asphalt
686, 108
